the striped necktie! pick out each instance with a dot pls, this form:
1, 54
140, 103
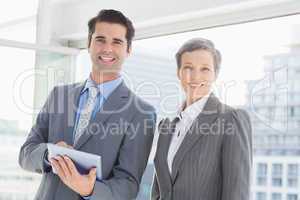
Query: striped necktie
86, 113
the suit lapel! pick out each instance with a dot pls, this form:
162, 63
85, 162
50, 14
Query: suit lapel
115, 102
165, 135
208, 115
71, 103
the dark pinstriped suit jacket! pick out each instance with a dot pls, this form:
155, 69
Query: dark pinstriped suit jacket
214, 160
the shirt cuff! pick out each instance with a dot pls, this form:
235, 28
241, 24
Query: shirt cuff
86, 197
47, 165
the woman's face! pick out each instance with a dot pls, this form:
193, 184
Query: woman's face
196, 74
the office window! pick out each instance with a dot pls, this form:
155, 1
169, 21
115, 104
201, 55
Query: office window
17, 23
293, 61
292, 197
277, 182
261, 196
18, 20
293, 170
276, 170
15, 122
297, 110
292, 179
292, 111
277, 175
292, 182
261, 174
276, 196
280, 76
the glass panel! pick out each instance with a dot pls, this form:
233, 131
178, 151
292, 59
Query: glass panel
17, 111
16, 83
292, 197
261, 174
276, 196
18, 20
261, 196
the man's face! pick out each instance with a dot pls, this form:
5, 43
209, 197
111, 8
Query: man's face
108, 48
196, 73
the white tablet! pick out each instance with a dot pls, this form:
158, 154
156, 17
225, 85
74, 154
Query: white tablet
82, 160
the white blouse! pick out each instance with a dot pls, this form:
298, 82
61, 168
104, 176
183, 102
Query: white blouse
186, 119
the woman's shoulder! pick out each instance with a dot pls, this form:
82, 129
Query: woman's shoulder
234, 113
237, 119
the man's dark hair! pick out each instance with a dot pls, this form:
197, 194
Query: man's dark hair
112, 16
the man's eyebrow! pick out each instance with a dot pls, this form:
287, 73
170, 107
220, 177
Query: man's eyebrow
118, 40
99, 37
114, 39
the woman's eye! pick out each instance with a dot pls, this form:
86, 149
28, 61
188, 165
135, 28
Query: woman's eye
187, 67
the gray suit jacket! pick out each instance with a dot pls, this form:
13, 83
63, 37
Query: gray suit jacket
213, 161
122, 133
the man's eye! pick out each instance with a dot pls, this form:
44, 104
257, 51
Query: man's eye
100, 40
118, 42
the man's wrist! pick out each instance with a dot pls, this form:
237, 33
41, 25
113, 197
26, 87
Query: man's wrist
86, 197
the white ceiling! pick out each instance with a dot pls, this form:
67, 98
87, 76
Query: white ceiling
67, 19
15, 10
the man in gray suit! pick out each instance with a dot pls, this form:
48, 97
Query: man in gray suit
100, 116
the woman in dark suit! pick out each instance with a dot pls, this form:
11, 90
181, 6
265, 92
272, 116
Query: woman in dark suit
205, 153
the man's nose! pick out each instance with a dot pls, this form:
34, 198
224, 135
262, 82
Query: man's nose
107, 47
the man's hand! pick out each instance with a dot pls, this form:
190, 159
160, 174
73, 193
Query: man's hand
67, 172
62, 144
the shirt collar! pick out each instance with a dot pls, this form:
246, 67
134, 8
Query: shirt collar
193, 110
105, 88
